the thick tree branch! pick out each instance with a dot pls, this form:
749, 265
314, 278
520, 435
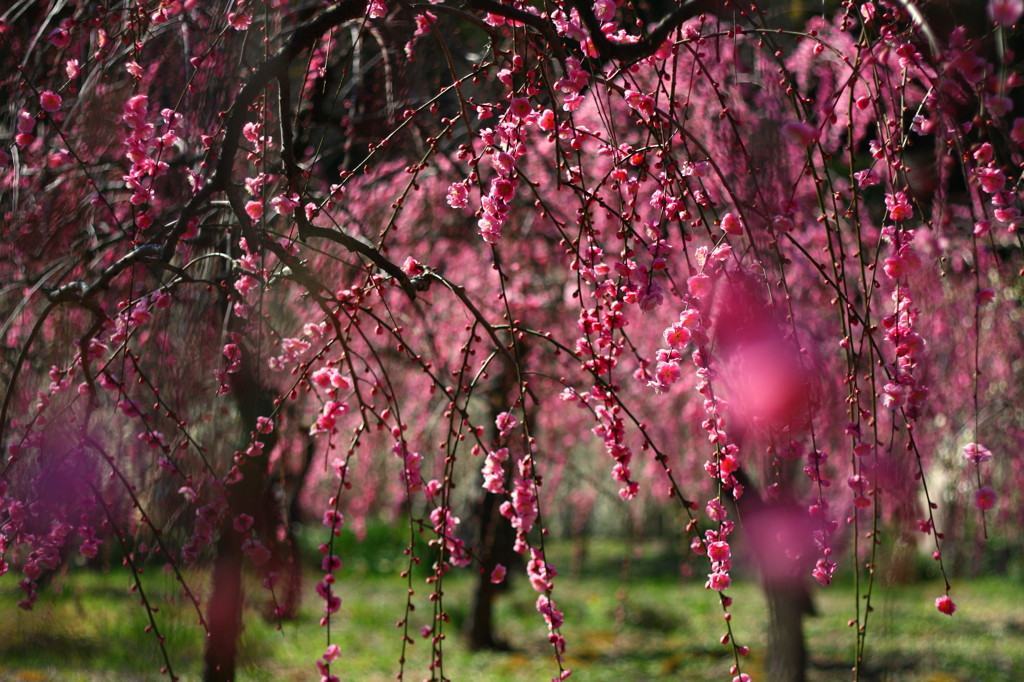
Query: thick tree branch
302, 39
544, 26
363, 248
306, 229
607, 50
630, 52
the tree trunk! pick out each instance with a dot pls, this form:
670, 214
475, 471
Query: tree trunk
495, 547
768, 525
494, 535
787, 653
224, 610
294, 485
480, 626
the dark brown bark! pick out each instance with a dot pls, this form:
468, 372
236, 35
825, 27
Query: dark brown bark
495, 547
495, 537
287, 556
224, 610
785, 586
787, 652
227, 595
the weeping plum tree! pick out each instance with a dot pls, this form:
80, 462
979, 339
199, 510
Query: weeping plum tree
384, 248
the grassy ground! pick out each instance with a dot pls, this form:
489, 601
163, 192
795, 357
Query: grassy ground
650, 627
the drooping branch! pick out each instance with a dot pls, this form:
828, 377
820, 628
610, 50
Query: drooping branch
607, 50
307, 229
303, 38
80, 293
543, 26
361, 247
645, 47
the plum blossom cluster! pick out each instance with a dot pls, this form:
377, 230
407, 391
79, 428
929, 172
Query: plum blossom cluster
541, 575
257, 552
904, 390
494, 471
36, 532
678, 336
724, 462
598, 347
331, 654
446, 527
133, 316
715, 545
145, 149
296, 350
412, 479
507, 143
522, 510
575, 80
330, 564
993, 181
330, 380
206, 525
611, 429
824, 527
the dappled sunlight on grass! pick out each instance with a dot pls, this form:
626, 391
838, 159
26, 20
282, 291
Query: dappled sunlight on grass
643, 627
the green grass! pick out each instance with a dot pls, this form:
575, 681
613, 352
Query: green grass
652, 626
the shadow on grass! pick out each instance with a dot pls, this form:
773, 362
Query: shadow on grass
651, 627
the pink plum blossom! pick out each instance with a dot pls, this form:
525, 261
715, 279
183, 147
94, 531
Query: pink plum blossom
985, 498
975, 453
1006, 13
50, 101
731, 225
945, 605
254, 209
